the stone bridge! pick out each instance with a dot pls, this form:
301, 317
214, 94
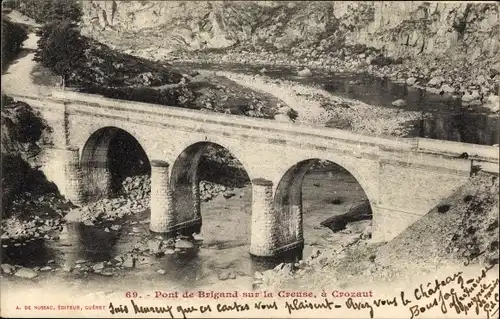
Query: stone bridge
403, 178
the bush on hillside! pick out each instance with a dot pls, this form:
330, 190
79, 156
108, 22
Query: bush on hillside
61, 48
86, 63
21, 130
382, 60
172, 97
47, 11
13, 36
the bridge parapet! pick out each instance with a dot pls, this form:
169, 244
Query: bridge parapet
249, 123
388, 168
485, 152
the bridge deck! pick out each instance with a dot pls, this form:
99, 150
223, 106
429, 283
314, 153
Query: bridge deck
483, 153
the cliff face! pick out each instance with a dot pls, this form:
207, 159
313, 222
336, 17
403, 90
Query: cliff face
403, 29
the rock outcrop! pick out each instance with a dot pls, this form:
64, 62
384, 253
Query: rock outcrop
400, 29
447, 48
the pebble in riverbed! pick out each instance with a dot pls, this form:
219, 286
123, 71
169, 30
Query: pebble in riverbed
399, 103
18, 230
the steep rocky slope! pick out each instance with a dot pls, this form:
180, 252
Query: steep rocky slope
401, 29
405, 28
446, 48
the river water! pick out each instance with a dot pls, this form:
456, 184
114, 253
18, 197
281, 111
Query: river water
223, 252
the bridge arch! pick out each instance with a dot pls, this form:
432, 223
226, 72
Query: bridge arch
110, 154
207, 161
288, 196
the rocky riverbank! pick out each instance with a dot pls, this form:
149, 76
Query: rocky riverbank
52, 211
134, 198
316, 105
108, 217
477, 89
463, 228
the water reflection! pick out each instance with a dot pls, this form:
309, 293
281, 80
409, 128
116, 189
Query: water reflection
462, 127
79, 241
222, 256
31, 254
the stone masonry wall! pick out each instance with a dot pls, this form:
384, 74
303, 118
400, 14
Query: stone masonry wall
400, 181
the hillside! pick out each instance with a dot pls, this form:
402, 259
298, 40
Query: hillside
403, 29
410, 41
463, 229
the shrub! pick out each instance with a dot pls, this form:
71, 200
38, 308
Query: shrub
443, 208
20, 125
13, 36
47, 11
292, 114
61, 48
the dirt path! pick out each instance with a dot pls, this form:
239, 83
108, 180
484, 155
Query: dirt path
309, 111
17, 77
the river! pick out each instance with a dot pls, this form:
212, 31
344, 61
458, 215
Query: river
223, 252
443, 118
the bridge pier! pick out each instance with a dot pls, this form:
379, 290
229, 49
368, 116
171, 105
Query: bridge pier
268, 238
162, 213
61, 166
73, 175
264, 229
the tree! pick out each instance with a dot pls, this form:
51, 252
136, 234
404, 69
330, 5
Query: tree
13, 36
47, 11
61, 48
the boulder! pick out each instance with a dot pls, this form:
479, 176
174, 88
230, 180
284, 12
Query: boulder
228, 195
446, 88
399, 103
284, 269
154, 245
197, 237
436, 81
67, 268
367, 232
468, 97
493, 103
98, 266
26, 273
184, 244
7, 268
224, 275
411, 81
304, 72
169, 251
129, 262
